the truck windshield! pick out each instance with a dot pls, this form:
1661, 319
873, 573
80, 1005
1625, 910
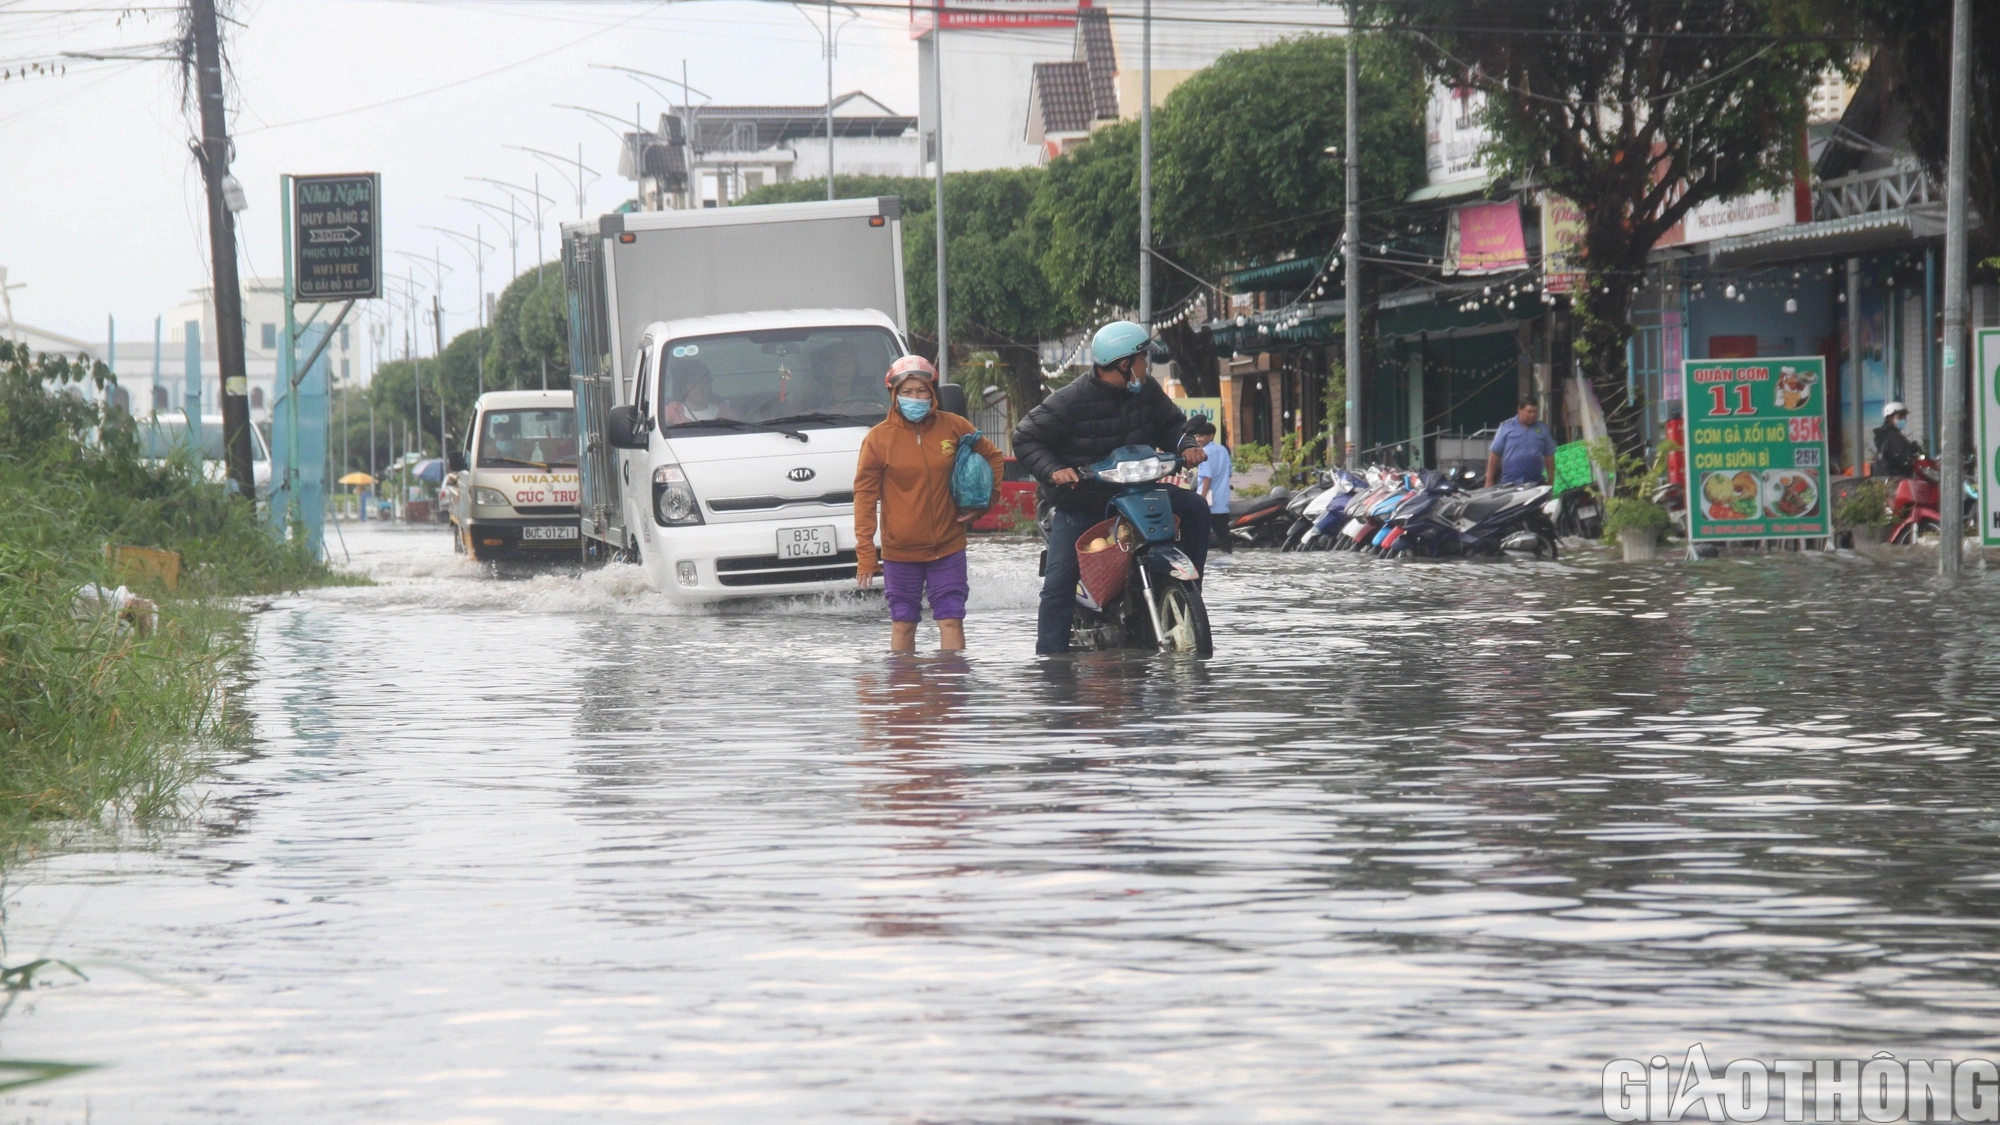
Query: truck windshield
543, 438
798, 376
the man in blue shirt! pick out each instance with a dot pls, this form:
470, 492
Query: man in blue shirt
1523, 452
1212, 481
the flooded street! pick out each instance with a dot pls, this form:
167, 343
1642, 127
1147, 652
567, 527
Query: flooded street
1422, 842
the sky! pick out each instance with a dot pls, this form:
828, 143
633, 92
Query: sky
102, 212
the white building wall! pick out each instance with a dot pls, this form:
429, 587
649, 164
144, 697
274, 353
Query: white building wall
263, 305
987, 72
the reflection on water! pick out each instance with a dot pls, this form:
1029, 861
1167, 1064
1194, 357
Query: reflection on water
1421, 843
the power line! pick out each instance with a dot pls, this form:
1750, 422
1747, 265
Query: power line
457, 82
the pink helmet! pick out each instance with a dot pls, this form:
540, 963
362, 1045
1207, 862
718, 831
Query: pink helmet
907, 366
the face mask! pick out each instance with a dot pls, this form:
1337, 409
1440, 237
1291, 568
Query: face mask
1135, 386
915, 409
1901, 422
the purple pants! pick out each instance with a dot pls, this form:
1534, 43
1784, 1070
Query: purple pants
903, 585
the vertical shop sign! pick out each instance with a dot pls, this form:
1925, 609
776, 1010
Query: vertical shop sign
1987, 348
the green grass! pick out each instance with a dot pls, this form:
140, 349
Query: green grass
100, 724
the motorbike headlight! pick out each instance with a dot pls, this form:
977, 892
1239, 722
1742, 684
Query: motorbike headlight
488, 498
673, 499
1136, 472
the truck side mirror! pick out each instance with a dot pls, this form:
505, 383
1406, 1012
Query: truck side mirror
625, 428
951, 399
455, 460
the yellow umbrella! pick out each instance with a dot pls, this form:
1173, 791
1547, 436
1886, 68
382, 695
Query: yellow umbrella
357, 477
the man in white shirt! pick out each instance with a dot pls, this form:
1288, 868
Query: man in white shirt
1212, 481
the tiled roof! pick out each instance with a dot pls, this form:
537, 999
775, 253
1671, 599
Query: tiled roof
1095, 49
1062, 90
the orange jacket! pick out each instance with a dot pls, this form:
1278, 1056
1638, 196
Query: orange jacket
905, 468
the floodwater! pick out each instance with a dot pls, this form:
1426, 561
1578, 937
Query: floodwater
1421, 843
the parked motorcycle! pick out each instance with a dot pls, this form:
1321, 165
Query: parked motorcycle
1323, 517
1511, 520
1136, 589
1261, 521
1914, 511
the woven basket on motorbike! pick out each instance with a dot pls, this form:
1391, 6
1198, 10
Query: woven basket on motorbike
1102, 574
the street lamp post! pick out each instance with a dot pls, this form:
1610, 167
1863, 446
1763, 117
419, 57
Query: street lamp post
584, 175
478, 253
541, 204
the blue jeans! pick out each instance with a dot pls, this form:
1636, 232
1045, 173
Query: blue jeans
1058, 608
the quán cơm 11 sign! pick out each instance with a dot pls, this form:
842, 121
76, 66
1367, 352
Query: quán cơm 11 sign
1757, 463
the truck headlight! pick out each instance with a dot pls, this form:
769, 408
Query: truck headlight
674, 504
488, 498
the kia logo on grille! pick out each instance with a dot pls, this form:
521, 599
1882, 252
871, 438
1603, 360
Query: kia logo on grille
800, 474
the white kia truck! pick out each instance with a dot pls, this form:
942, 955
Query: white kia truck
515, 479
727, 363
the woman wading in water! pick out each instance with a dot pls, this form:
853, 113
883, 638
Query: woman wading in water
905, 471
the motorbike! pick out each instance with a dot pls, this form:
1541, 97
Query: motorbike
1261, 521
1582, 516
1510, 520
1914, 511
1136, 588
1323, 517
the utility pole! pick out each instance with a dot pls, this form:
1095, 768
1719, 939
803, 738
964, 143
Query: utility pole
937, 135
437, 329
213, 156
1350, 237
1146, 165
829, 101
1951, 506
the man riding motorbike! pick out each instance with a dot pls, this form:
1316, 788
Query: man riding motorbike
1116, 405
1895, 454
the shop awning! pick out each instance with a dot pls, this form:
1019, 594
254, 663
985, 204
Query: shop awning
1855, 234
1278, 329
1451, 189
1291, 274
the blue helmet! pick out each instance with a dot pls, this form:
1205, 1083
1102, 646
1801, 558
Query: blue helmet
1122, 338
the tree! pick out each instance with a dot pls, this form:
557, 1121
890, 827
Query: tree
530, 333
1637, 110
1000, 300
1257, 125
1088, 214
1915, 38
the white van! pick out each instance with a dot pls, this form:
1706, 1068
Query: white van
727, 363
515, 478
741, 442
164, 437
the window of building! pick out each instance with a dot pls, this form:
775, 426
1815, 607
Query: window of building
270, 337
159, 398
122, 399
257, 398
745, 137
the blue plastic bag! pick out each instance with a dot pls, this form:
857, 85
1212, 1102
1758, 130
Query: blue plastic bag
971, 475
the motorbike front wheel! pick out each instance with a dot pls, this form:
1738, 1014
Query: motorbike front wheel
1184, 619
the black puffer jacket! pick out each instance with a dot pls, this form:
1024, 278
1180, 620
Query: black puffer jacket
1082, 423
